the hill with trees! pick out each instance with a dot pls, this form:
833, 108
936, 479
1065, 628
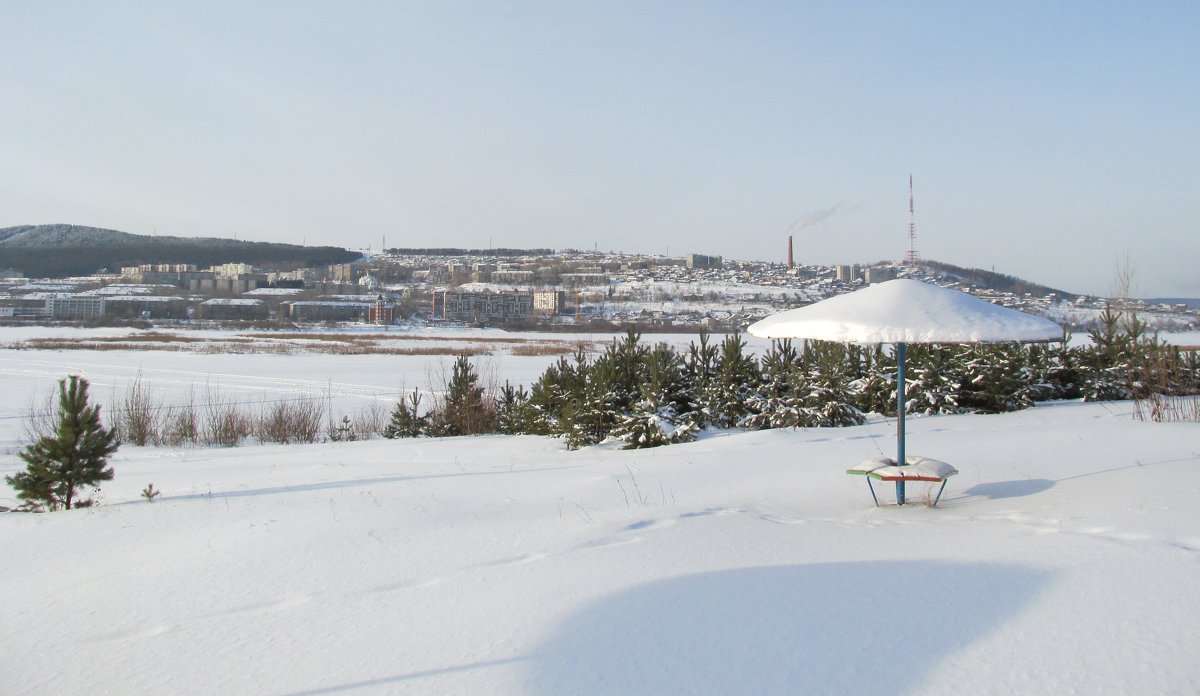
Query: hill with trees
55, 251
992, 280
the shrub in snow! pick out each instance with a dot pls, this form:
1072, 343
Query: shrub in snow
289, 421
137, 418
224, 424
180, 425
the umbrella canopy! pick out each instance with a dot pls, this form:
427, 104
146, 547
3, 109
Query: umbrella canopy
906, 311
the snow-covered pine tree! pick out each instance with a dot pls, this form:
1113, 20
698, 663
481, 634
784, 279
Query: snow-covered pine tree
1106, 364
933, 379
996, 378
737, 378
597, 411
778, 401
700, 369
657, 417
1041, 369
75, 455
1062, 371
874, 388
829, 403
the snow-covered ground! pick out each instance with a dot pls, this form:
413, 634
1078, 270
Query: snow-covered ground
196, 369
1060, 560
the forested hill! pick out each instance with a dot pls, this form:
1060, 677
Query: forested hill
994, 281
55, 251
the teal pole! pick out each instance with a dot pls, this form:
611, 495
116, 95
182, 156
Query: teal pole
900, 401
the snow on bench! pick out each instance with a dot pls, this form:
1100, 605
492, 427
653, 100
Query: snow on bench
914, 469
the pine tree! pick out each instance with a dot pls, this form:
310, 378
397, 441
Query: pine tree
934, 383
699, 374
735, 382
1063, 371
583, 401
559, 389
829, 403
995, 378
874, 389
615, 383
1106, 363
463, 410
74, 456
514, 413
658, 416
777, 403
407, 419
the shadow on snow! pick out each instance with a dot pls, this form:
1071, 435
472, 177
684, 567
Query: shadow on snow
346, 483
855, 628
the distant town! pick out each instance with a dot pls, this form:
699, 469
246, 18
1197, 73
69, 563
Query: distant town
537, 290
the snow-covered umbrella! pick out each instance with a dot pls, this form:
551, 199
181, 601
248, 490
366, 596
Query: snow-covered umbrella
907, 311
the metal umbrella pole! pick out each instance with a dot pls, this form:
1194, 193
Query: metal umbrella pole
900, 401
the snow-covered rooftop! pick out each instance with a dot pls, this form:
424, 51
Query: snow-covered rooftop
233, 302
274, 292
143, 298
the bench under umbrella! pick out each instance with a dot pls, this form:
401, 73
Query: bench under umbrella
907, 311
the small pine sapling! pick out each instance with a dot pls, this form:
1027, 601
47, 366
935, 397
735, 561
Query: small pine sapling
75, 455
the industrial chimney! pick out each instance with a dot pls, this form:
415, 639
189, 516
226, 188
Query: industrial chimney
791, 263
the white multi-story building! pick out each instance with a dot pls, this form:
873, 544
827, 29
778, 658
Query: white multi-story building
75, 306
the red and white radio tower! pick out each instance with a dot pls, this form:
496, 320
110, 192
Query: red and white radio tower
911, 258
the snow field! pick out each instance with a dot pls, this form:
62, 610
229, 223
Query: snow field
1058, 561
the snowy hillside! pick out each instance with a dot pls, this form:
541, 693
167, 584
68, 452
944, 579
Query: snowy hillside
1058, 561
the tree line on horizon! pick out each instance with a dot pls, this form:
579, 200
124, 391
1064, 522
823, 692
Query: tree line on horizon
68, 261
58, 251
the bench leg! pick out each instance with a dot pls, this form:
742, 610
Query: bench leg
939, 495
868, 478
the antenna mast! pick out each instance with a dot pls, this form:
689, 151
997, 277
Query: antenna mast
911, 258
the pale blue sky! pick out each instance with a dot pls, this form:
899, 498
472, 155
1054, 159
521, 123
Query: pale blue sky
1046, 139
